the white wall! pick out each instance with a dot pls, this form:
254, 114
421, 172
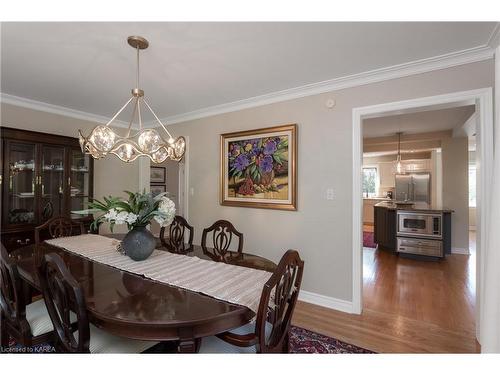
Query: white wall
111, 176
320, 229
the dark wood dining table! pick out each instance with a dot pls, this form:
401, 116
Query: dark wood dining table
132, 306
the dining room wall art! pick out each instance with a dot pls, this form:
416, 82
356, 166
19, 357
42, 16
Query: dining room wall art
258, 168
158, 175
157, 189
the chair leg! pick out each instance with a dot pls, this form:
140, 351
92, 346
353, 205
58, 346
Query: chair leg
4, 334
286, 344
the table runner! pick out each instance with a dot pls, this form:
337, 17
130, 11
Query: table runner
235, 284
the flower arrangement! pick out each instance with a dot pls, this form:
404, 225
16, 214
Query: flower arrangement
137, 211
256, 161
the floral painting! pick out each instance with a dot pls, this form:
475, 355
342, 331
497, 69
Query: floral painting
258, 168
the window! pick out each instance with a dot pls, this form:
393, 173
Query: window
370, 181
472, 185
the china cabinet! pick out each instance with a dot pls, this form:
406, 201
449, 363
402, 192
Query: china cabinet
42, 175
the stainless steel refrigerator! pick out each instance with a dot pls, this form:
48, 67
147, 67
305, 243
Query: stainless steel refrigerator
414, 187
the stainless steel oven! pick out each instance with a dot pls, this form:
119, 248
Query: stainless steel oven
417, 224
420, 246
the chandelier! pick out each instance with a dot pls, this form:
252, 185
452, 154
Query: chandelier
103, 140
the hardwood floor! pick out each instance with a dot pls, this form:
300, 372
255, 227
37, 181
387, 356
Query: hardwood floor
409, 306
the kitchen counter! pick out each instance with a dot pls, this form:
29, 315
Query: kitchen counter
416, 207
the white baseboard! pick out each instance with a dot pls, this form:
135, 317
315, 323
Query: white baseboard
458, 250
325, 301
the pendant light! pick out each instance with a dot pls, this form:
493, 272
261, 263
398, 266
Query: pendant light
103, 140
399, 164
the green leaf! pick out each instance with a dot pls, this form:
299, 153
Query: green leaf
283, 155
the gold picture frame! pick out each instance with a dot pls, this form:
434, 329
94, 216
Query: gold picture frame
258, 168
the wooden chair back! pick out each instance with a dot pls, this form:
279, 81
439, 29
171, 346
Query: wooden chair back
63, 297
12, 302
277, 303
60, 226
222, 236
176, 241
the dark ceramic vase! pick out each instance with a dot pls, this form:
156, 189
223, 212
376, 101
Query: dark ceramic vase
139, 243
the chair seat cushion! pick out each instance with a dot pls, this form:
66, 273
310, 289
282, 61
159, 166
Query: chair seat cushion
213, 344
38, 318
103, 342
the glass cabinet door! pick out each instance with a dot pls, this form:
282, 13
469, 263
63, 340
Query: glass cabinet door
79, 180
22, 183
52, 183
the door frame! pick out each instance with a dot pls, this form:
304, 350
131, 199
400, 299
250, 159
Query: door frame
184, 183
144, 179
483, 99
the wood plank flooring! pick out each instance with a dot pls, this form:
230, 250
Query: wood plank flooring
409, 306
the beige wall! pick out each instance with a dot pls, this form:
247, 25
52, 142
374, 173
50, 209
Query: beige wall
111, 176
320, 229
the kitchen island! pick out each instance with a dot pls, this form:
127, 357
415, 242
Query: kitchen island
415, 230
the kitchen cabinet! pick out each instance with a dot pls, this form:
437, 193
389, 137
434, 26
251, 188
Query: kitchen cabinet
385, 228
42, 176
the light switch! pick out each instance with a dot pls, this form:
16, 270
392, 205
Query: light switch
191, 191
329, 194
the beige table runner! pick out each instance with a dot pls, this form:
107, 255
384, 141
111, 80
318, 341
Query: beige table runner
235, 284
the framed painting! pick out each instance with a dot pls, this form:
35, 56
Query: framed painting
158, 175
258, 168
157, 189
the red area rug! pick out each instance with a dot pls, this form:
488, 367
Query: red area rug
301, 341
305, 341
368, 240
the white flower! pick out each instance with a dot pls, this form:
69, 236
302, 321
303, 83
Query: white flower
110, 215
131, 218
166, 209
121, 217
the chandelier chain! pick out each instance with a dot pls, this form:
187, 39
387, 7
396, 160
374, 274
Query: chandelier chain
137, 76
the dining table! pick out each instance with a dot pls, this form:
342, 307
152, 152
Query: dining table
132, 306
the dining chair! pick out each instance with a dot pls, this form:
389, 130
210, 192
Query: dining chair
60, 226
28, 324
176, 240
222, 235
270, 332
65, 302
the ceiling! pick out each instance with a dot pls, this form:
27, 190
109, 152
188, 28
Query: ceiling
190, 66
417, 122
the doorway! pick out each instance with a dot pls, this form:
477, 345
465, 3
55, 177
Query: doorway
482, 100
175, 182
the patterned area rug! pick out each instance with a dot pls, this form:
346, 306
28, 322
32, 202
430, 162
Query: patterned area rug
301, 341
368, 239
305, 341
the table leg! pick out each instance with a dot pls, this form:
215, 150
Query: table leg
189, 346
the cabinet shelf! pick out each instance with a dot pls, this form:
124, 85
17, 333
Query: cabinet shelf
22, 196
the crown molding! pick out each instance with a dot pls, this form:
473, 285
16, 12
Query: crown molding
449, 60
57, 110
494, 40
